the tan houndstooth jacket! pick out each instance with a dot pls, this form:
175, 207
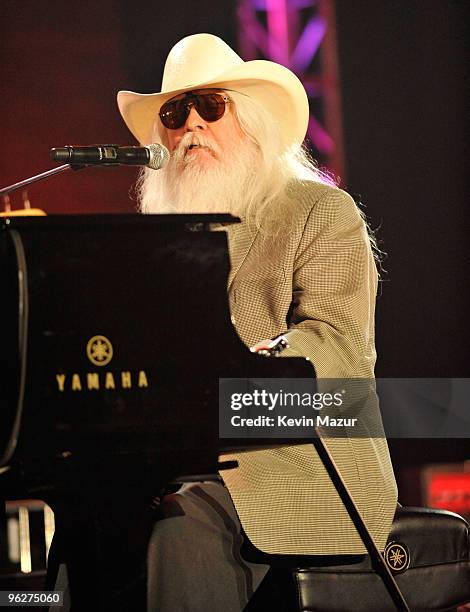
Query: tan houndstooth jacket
318, 281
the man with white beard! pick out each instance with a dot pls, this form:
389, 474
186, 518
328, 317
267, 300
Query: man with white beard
211, 169
303, 270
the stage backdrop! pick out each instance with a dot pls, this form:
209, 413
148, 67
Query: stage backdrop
402, 69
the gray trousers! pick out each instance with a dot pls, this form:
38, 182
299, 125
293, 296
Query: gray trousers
194, 560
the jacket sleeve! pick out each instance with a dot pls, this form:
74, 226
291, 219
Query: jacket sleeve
331, 319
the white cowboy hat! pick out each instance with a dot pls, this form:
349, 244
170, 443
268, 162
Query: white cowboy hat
203, 61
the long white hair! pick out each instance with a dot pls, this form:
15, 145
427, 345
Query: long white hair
258, 175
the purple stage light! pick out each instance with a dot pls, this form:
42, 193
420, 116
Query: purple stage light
308, 43
260, 5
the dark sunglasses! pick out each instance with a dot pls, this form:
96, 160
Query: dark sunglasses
210, 106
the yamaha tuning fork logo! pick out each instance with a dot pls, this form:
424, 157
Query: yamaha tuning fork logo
100, 352
397, 556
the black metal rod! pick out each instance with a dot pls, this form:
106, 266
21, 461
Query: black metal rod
377, 560
37, 177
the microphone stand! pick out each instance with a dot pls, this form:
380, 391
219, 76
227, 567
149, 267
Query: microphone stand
38, 177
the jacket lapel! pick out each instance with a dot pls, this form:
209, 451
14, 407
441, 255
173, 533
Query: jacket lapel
240, 239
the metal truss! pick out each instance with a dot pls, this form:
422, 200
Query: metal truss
301, 35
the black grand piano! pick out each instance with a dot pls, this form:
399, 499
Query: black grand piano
116, 330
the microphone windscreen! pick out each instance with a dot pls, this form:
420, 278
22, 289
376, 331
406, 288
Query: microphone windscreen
159, 156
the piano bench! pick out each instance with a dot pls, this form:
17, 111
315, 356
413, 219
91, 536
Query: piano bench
427, 552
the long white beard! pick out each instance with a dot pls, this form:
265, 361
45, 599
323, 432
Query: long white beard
189, 184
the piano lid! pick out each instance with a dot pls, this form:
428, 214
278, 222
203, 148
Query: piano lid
164, 222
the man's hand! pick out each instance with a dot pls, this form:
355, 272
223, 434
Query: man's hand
270, 348
264, 345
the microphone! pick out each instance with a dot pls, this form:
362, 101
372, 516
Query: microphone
153, 156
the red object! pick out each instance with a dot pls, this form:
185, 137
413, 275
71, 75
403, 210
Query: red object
450, 491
